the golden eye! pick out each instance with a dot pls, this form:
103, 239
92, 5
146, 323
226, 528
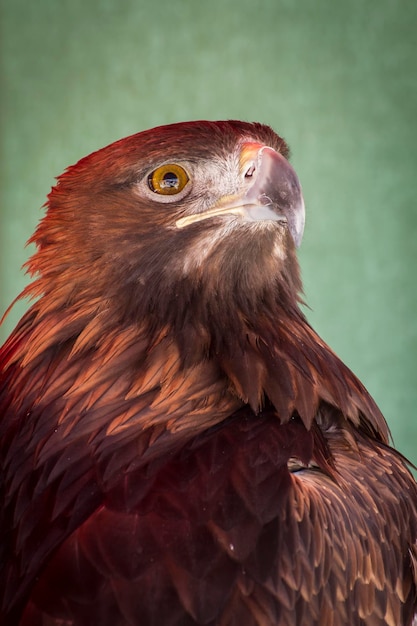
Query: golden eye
168, 179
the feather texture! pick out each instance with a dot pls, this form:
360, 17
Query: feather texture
178, 447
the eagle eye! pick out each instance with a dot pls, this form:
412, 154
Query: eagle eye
168, 179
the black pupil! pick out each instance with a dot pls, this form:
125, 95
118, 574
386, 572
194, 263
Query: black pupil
170, 180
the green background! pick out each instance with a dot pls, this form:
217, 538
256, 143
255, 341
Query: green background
336, 79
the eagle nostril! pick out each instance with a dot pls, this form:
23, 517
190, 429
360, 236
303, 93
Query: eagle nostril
250, 171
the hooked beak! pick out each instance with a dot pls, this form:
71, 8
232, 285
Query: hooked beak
274, 193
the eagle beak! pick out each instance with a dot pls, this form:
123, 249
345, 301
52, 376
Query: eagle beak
272, 193
275, 193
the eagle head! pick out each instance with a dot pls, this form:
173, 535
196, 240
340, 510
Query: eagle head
204, 215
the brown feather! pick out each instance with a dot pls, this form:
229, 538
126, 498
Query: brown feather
177, 445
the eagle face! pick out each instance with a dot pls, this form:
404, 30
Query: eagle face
199, 205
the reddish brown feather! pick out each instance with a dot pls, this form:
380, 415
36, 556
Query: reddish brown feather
179, 450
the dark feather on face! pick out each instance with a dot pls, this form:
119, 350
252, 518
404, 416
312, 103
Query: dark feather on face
178, 446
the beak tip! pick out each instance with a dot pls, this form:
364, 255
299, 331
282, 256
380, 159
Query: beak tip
298, 223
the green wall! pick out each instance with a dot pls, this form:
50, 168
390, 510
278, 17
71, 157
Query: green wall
336, 79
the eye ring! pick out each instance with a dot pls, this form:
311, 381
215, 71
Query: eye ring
168, 179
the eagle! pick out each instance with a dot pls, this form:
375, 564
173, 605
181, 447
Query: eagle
178, 446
